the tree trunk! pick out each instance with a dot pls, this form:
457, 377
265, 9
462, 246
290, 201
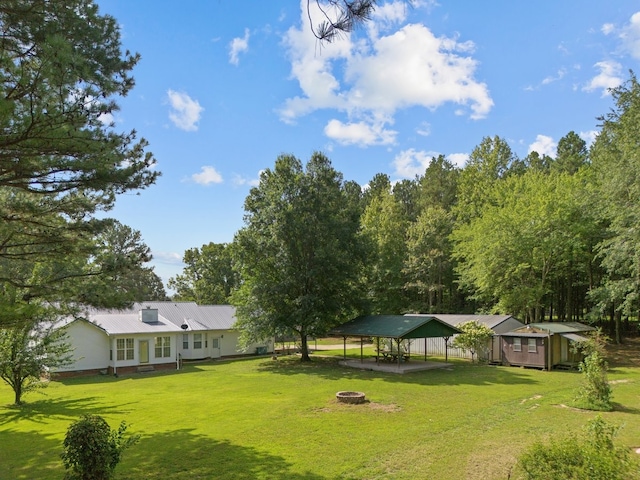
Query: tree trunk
304, 348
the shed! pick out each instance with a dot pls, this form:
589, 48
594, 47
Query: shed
395, 327
544, 345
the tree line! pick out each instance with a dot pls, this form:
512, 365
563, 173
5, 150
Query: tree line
544, 238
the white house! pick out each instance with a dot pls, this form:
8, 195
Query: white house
441, 346
153, 335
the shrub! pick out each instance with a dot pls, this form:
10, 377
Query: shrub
595, 392
592, 456
92, 450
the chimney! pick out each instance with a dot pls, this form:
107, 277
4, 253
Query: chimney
149, 315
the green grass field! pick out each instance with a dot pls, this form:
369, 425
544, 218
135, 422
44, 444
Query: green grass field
262, 419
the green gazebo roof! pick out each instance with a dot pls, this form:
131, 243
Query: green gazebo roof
394, 326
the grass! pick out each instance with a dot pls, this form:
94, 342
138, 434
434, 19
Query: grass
261, 419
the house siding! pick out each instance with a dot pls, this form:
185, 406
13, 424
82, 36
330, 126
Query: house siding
524, 358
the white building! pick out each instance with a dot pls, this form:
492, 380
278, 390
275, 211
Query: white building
153, 335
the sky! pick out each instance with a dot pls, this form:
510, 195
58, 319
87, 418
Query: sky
224, 87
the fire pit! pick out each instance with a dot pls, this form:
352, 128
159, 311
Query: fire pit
350, 397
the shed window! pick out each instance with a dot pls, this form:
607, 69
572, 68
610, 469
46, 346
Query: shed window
163, 347
197, 340
124, 348
517, 345
532, 345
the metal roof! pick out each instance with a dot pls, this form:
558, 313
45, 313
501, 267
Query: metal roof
394, 326
490, 321
173, 314
574, 337
118, 324
562, 327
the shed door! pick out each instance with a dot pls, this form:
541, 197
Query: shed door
143, 349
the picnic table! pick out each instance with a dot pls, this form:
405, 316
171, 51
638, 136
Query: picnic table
394, 356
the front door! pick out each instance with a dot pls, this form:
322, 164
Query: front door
143, 347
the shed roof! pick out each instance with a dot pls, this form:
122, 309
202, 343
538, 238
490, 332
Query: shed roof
394, 326
560, 327
491, 321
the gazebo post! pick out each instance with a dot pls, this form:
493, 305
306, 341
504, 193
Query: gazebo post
344, 348
425, 349
361, 348
446, 349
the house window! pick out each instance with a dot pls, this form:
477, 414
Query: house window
215, 343
532, 345
197, 340
206, 341
517, 345
185, 341
163, 347
124, 348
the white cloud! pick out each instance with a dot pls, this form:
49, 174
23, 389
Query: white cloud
458, 159
609, 77
544, 145
559, 75
589, 137
359, 133
237, 46
410, 163
185, 112
207, 176
239, 180
424, 129
630, 36
608, 28
372, 78
169, 258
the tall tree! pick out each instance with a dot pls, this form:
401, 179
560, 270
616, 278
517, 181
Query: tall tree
61, 158
488, 163
208, 277
616, 159
299, 253
572, 154
384, 226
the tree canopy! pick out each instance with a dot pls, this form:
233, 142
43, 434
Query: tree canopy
62, 160
299, 254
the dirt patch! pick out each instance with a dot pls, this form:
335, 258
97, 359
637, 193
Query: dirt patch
625, 355
535, 397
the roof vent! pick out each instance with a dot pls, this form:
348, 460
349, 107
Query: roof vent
184, 326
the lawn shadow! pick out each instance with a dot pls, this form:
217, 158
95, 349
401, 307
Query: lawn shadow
29, 455
183, 454
459, 374
41, 411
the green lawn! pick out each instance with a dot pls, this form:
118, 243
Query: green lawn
262, 419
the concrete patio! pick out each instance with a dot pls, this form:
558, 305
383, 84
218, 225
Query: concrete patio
403, 367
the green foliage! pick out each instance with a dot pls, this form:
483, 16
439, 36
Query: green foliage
592, 456
208, 277
92, 450
595, 392
28, 350
300, 253
61, 159
475, 338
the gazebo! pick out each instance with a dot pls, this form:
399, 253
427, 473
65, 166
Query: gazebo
395, 327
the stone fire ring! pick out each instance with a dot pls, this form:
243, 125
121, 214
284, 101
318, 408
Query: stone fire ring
350, 397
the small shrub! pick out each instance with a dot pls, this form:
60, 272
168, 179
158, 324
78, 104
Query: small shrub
592, 456
92, 450
595, 392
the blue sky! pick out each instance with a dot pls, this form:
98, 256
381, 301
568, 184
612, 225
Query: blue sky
224, 87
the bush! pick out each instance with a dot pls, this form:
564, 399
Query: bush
595, 393
92, 450
592, 456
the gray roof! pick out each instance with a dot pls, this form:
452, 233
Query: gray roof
171, 317
122, 323
561, 327
490, 321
